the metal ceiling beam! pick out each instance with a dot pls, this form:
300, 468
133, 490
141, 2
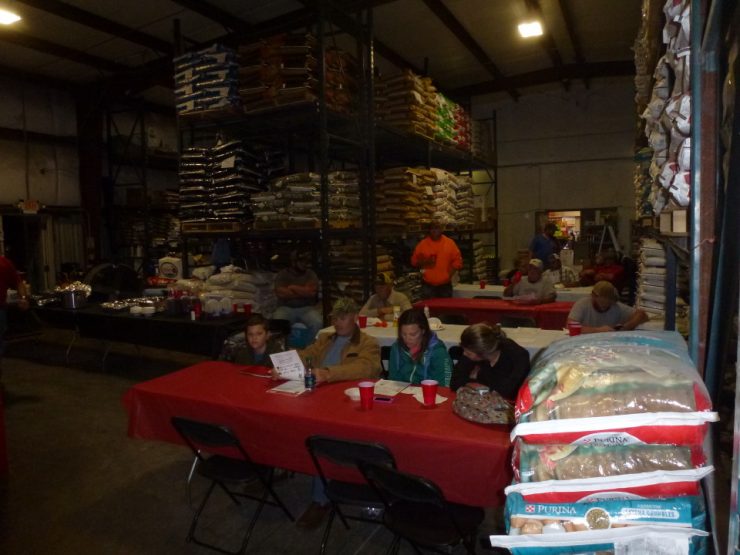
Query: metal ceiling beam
214, 13
450, 21
102, 24
571, 29
549, 75
546, 40
53, 49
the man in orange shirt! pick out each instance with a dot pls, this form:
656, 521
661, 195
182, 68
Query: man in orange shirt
438, 257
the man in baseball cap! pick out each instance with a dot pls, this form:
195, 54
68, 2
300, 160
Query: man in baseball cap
603, 311
380, 305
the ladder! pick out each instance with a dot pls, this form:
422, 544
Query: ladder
613, 237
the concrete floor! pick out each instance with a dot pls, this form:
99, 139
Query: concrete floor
79, 485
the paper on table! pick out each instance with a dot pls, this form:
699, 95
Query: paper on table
291, 387
416, 392
389, 388
288, 365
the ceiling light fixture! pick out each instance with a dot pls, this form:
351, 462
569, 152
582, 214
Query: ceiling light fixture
8, 18
530, 29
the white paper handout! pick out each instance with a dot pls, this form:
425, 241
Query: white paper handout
291, 387
389, 388
288, 365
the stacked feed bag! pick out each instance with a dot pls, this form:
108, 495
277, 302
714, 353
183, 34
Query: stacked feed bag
651, 281
216, 183
402, 197
410, 104
236, 286
344, 199
347, 268
284, 69
480, 261
291, 201
610, 433
444, 199
207, 80
668, 114
464, 205
195, 184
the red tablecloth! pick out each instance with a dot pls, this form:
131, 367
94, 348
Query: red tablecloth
470, 462
549, 316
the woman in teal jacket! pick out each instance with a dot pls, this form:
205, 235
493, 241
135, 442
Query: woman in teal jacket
418, 354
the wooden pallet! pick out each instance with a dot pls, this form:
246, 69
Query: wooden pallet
212, 227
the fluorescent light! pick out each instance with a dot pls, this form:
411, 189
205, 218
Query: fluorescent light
7, 18
530, 29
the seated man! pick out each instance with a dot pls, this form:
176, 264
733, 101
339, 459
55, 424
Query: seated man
347, 354
296, 288
533, 289
557, 274
603, 311
605, 268
380, 305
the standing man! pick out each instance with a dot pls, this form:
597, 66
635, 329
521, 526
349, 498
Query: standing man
296, 288
544, 245
438, 257
380, 305
9, 279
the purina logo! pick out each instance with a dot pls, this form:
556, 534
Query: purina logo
529, 508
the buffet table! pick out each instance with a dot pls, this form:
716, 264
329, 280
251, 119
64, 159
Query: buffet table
470, 290
548, 316
177, 333
532, 339
470, 462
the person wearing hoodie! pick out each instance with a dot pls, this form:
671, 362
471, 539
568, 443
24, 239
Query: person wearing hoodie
418, 354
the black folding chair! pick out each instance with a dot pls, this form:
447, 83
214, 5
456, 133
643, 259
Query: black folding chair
454, 319
518, 322
416, 511
348, 454
202, 437
385, 356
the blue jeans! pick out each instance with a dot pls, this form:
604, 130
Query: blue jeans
306, 315
318, 494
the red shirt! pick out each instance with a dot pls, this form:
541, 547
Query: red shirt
9, 279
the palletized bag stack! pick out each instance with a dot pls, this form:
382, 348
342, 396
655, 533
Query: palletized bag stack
347, 267
651, 281
480, 264
464, 205
283, 69
290, 201
207, 80
195, 184
400, 197
668, 114
463, 134
234, 177
344, 199
444, 196
410, 104
235, 286
609, 434
445, 121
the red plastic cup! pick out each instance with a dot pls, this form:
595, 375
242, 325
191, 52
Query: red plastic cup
367, 391
362, 321
429, 389
247, 309
574, 328
482, 284
507, 282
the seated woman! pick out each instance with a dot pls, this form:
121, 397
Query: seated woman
489, 358
258, 346
418, 354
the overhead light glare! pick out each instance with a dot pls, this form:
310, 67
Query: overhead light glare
8, 18
530, 29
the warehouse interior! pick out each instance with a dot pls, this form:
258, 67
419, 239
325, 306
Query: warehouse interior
96, 126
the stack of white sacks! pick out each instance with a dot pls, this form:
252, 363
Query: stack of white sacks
235, 286
608, 449
651, 283
668, 115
